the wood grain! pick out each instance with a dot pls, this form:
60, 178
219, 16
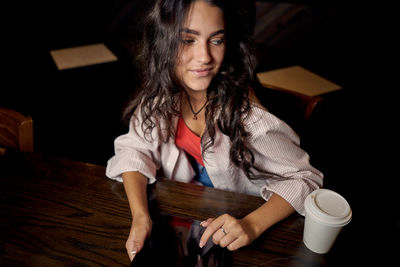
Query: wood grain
16, 130
57, 212
62, 214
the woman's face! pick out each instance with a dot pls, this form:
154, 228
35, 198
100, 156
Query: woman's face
202, 46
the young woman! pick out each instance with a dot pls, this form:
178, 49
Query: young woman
193, 119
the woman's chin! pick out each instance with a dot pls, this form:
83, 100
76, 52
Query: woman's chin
198, 86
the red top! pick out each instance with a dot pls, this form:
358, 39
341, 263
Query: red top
188, 141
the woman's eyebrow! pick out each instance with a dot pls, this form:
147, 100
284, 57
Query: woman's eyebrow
186, 30
217, 32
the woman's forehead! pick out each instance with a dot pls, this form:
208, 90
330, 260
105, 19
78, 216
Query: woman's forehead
204, 17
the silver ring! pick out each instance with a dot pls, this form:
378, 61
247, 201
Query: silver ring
223, 231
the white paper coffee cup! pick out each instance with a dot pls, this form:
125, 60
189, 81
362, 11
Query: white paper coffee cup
326, 214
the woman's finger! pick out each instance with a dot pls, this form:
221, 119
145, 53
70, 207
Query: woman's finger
236, 244
227, 231
137, 236
132, 254
207, 222
218, 236
227, 239
133, 248
212, 227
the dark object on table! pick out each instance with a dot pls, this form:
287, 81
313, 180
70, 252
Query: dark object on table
169, 245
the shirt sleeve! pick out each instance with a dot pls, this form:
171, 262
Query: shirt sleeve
133, 152
280, 159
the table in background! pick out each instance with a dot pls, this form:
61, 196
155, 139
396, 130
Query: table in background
58, 212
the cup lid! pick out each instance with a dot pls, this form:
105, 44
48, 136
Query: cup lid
329, 207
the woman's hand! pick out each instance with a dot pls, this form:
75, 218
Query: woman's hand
140, 230
237, 233
135, 187
228, 232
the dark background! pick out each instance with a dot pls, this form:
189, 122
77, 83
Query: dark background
77, 112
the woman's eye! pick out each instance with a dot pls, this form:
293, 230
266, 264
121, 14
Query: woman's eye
218, 42
187, 41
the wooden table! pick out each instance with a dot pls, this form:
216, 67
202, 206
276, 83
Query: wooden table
58, 212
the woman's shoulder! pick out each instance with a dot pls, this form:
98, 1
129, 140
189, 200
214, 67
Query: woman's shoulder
260, 114
260, 120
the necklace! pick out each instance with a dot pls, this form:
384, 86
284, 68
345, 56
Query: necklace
191, 108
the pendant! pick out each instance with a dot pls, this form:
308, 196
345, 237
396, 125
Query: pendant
194, 116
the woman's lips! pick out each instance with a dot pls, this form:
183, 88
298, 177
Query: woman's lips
201, 72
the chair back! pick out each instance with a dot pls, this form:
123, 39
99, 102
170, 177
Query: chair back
295, 109
16, 130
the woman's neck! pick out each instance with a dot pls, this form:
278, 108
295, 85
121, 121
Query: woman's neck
195, 99
193, 111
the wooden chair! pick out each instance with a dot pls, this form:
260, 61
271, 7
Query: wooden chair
295, 109
16, 130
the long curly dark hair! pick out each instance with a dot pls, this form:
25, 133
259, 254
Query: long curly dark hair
160, 91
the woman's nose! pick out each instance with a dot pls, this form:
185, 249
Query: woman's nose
203, 54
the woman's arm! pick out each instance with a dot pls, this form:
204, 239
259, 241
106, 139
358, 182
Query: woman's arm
135, 185
241, 232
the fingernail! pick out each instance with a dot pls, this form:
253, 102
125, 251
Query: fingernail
201, 244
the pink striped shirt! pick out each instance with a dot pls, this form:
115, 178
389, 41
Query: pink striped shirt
281, 166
